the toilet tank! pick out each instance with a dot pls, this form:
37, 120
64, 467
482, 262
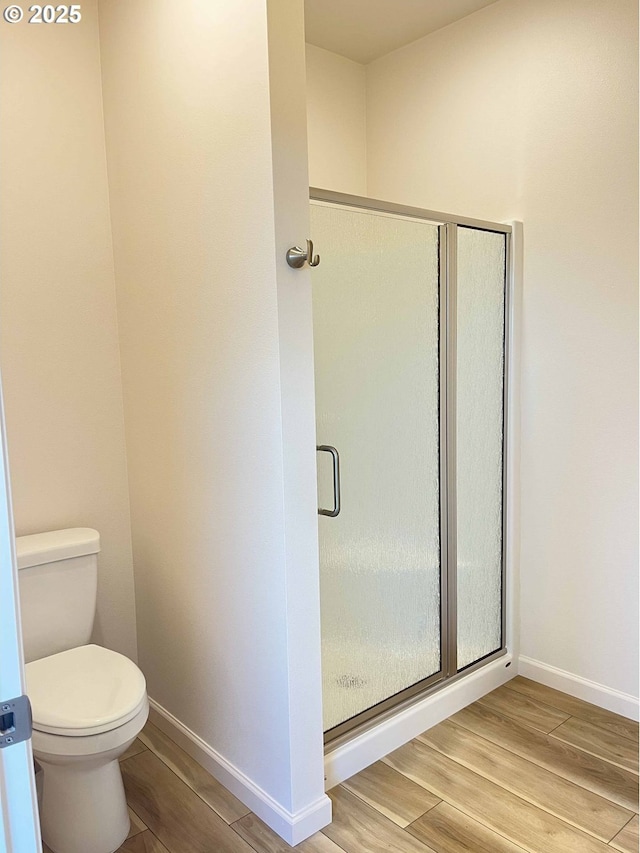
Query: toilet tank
58, 579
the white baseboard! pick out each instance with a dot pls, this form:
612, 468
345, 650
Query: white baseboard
294, 828
349, 758
581, 688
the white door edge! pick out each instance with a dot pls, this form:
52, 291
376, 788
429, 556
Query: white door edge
19, 823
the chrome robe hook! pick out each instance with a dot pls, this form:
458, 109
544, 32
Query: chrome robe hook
297, 257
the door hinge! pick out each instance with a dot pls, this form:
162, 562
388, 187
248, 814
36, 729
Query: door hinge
15, 721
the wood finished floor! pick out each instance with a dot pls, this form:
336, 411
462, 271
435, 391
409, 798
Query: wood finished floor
525, 768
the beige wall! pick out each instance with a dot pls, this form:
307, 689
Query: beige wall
336, 121
59, 349
528, 110
209, 187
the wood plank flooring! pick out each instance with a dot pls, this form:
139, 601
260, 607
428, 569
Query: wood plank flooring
526, 769
627, 839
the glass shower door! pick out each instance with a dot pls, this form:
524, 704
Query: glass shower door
480, 363
376, 337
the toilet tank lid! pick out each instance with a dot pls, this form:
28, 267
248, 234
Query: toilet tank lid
41, 548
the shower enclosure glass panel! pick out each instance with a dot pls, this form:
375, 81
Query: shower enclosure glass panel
376, 338
480, 328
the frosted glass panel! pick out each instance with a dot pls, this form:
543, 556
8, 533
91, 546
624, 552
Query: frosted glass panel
375, 303
479, 400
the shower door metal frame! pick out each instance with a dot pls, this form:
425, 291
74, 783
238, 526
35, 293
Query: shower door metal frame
447, 299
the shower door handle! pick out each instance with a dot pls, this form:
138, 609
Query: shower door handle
327, 448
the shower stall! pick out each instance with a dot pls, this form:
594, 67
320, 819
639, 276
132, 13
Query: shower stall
410, 336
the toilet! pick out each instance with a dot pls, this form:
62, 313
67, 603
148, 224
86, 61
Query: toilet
89, 703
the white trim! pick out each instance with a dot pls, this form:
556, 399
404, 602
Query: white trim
19, 823
349, 758
590, 691
513, 444
294, 828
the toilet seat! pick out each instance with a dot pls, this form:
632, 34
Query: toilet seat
84, 691
55, 747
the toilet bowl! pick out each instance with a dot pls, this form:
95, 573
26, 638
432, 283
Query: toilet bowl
88, 703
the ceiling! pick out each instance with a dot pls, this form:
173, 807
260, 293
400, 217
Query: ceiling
363, 30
